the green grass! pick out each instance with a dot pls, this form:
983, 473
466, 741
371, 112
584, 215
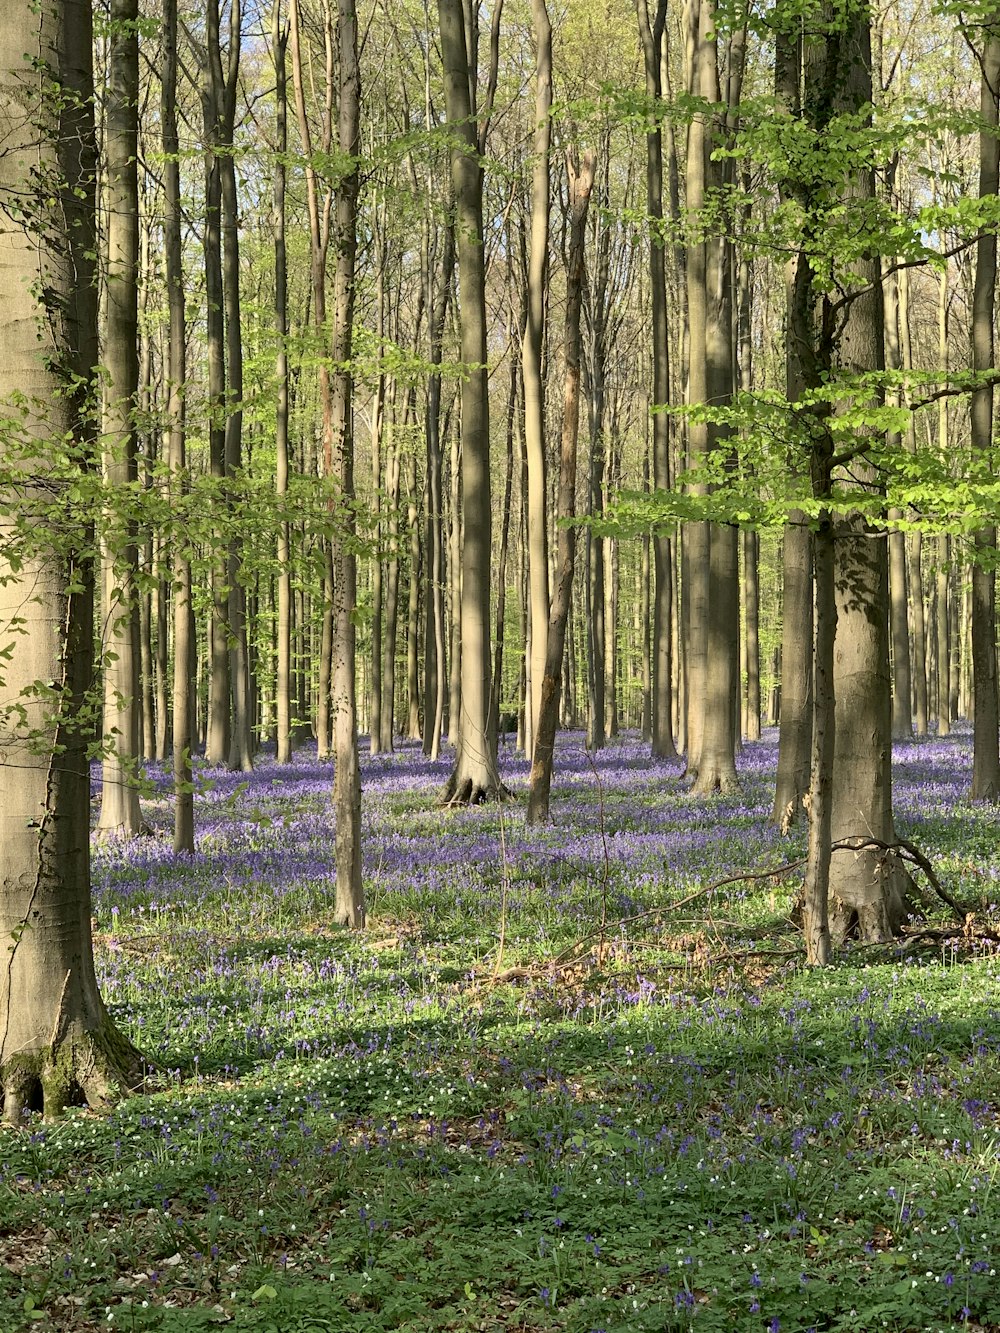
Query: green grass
688, 1130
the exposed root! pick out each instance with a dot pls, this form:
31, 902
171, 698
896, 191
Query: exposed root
77, 1068
468, 792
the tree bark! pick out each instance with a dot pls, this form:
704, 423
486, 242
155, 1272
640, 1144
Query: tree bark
986, 720
57, 1040
532, 345
349, 908
183, 614
475, 777
120, 812
283, 645
581, 181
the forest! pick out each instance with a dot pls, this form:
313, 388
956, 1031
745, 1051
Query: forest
499, 708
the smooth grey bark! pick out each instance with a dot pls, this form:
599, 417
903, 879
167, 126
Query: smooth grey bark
349, 907
711, 380
475, 777
651, 35
596, 303
120, 812
219, 719
899, 627
319, 210
751, 640
183, 614
57, 1040
283, 626
795, 747
914, 544
223, 82
986, 708
532, 345
580, 170
435, 673
864, 885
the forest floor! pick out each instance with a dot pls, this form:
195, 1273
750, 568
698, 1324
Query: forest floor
559, 1083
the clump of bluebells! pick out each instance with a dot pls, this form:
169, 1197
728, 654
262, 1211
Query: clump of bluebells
683, 1130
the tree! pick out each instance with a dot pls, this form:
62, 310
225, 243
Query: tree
120, 812
184, 638
474, 777
986, 753
651, 34
532, 345
350, 902
581, 184
57, 1040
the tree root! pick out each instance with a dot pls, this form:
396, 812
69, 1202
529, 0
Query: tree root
89, 1068
467, 792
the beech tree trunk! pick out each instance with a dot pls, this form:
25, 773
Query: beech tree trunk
349, 908
581, 181
532, 345
651, 34
120, 812
57, 1041
283, 627
475, 777
435, 674
182, 738
986, 722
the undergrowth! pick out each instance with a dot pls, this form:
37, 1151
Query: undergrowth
429, 1127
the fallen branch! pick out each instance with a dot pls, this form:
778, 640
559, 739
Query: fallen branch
905, 851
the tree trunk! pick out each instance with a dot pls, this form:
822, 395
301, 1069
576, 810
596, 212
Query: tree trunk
862, 883
581, 181
475, 775
902, 704
986, 722
532, 346
434, 635
120, 812
711, 381
751, 603
651, 35
914, 543
283, 627
390, 606
57, 1040
349, 908
413, 602
219, 716
183, 614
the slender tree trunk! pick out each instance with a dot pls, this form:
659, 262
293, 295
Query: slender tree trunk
390, 606
434, 634
283, 646
183, 614
475, 775
532, 346
413, 602
120, 812
711, 381
581, 181
751, 602
795, 747
455, 584
918, 639
902, 715
651, 35
240, 756
986, 720
349, 909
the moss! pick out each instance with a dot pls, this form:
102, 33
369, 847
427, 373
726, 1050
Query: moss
101, 1067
